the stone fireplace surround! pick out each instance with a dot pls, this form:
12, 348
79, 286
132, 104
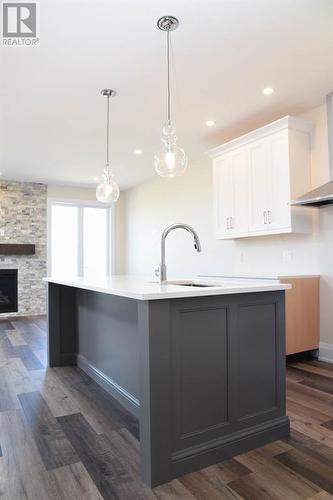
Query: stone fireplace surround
23, 219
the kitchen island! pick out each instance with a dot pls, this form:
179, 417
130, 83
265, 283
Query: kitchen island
202, 367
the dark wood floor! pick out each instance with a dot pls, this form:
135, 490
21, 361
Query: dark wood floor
63, 437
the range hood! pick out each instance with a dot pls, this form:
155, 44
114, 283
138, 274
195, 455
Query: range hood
322, 195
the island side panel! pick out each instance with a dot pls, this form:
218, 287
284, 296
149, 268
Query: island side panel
155, 391
108, 344
62, 325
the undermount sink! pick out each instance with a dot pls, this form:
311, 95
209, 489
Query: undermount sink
190, 283
195, 284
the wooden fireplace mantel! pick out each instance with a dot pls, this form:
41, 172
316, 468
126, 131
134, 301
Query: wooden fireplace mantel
17, 249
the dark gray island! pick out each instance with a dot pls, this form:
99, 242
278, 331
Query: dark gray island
202, 368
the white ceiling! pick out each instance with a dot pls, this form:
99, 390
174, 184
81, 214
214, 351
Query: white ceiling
225, 52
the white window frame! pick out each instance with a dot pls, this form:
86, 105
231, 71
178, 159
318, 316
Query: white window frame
81, 204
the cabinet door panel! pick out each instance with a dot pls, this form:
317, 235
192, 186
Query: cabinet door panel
231, 193
200, 342
279, 158
260, 185
223, 195
257, 360
240, 181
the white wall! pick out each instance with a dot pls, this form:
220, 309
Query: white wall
320, 175
71, 192
150, 207
326, 272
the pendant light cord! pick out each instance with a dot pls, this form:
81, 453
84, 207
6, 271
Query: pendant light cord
168, 65
108, 137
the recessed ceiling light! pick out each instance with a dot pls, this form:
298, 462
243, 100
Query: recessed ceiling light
95, 179
268, 91
138, 152
210, 123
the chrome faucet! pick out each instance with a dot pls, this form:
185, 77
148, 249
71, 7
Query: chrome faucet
162, 270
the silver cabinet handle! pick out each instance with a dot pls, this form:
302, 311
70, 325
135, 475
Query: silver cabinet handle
265, 216
269, 216
229, 222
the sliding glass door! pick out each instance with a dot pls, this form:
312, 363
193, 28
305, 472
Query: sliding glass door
79, 240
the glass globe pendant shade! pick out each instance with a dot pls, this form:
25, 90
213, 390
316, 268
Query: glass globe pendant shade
170, 163
108, 190
171, 160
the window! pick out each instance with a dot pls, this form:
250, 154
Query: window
79, 240
64, 238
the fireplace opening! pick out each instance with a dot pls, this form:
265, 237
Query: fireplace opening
8, 290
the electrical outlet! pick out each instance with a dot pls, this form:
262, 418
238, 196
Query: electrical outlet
2, 232
288, 256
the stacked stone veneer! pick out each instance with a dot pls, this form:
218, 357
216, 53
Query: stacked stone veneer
23, 220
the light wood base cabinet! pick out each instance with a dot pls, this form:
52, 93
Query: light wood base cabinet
302, 313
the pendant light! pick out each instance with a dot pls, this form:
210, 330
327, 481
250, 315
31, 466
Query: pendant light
171, 160
108, 190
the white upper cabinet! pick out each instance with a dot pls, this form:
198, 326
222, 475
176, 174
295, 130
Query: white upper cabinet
255, 177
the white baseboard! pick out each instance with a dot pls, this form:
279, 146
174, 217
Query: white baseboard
326, 352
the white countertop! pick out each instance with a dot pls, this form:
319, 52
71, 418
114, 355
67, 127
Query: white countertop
260, 276
141, 288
